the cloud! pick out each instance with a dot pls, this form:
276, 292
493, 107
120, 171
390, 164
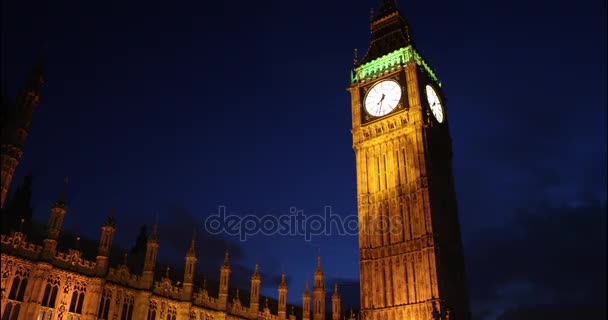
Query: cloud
175, 232
546, 255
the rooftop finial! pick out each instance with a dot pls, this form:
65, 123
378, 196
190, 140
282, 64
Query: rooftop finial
111, 222
167, 272
318, 263
125, 259
226, 259
154, 235
192, 250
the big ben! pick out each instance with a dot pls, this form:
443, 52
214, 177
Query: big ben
411, 255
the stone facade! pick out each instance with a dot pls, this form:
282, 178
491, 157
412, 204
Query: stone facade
412, 264
39, 282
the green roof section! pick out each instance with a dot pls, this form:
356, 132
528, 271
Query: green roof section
391, 62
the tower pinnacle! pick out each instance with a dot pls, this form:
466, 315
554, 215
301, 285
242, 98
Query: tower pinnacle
15, 126
389, 32
226, 259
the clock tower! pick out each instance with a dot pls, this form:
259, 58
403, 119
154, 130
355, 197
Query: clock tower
412, 264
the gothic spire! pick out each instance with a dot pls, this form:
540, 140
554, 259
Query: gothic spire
192, 250
256, 273
389, 32
319, 270
110, 221
226, 259
154, 235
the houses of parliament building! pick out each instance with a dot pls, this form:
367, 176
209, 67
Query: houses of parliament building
41, 282
404, 184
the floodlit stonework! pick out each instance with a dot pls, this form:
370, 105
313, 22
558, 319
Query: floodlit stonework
412, 264
40, 282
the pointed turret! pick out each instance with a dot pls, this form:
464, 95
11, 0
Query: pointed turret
335, 304
306, 303
224, 280
319, 293
54, 227
254, 299
189, 269
105, 244
15, 127
282, 313
150, 259
389, 32
57, 214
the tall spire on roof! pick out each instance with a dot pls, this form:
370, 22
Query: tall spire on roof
226, 259
319, 270
110, 221
192, 251
389, 32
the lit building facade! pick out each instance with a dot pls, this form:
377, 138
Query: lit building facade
411, 255
41, 282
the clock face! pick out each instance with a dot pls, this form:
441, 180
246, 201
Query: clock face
434, 103
382, 98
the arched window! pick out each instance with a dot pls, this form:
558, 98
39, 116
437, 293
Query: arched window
77, 298
152, 311
19, 284
11, 311
74, 302
171, 313
127, 309
50, 291
104, 306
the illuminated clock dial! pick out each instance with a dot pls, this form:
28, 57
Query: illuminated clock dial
382, 98
434, 103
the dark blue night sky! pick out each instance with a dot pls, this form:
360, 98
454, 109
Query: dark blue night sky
176, 108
